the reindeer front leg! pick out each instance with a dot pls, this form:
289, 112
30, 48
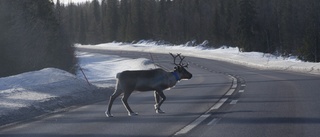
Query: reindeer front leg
125, 103
159, 98
116, 93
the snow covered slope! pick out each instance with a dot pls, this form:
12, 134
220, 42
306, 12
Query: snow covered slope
34, 93
102, 69
228, 54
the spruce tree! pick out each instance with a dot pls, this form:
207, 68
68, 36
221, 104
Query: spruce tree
82, 33
246, 25
123, 20
310, 50
112, 20
34, 38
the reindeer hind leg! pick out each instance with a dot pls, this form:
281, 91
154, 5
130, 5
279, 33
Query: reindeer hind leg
163, 98
157, 100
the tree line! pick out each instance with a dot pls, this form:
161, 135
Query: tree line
283, 27
31, 38
35, 34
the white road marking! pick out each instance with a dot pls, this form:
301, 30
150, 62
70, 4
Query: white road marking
243, 85
230, 92
234, 85
241, 91
192, 125
219, 104
233, 102
214, 121
203, 117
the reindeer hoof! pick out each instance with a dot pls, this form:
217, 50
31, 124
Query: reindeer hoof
133, 114
108, 114
159, 111
156, 106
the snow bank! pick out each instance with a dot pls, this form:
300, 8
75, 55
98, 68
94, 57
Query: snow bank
228, 54
34, 93
102, 69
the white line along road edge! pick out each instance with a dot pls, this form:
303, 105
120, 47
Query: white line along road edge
204, 116
192, 125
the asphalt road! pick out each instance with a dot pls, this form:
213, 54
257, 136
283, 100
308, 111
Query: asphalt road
221, 100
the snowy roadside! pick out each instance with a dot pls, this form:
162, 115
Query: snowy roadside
34, 93
102, 69
227, 54
49, 90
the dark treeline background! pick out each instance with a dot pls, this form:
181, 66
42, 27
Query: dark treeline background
281, 27
35, 34
31, 38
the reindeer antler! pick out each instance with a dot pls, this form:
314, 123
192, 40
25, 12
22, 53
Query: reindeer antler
181, 59
174, 58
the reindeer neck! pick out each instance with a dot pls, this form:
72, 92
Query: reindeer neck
176, 75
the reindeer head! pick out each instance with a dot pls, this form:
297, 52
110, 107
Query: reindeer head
180, 67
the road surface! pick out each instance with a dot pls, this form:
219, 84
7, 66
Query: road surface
221, 100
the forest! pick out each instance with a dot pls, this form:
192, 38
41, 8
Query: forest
281, 27
35, 34
31, 38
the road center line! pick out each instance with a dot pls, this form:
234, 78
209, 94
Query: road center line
230, 92
219, 104
192, 125
196, 122
203, 117
234, 85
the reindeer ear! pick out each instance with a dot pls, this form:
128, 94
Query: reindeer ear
175, 67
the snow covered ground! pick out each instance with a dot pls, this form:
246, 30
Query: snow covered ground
38, 92
33, 93
102, 69
228, 54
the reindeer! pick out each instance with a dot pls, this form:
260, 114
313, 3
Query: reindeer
155, 80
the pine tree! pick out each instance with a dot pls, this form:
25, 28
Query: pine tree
136, 26
82, 33
71, 21
148, 17
232, 15
112, 20
310, 51
123, 20
96, 10
161, 20
41, 41
246, 25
